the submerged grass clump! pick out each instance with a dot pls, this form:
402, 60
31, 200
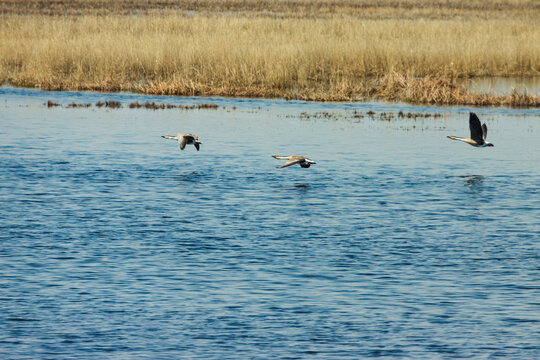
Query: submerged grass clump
334, 51
357, 115
110, 104
113, 104
410, 115
137, 105
154, 106
76, 105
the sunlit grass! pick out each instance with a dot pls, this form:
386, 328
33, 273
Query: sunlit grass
327, 58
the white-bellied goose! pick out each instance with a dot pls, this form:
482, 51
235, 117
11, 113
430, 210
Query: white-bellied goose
295, 159
185, 139
478, 133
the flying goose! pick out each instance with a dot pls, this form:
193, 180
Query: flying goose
184, 139
295, 159
478, 133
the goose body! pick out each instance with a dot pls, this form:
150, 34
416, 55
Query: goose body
295, 159
478, 133
185, 139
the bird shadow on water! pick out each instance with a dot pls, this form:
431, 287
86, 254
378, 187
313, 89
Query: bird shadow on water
192, 176
474, 183
300, 188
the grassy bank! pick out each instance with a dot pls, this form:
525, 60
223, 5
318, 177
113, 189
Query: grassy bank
329, 56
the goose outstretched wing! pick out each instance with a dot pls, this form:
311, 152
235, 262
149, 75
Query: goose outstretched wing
291, 162
476, 128
182, 142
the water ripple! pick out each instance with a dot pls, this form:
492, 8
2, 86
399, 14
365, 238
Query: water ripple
396, 244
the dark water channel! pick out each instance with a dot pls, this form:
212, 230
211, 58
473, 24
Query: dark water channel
398, 243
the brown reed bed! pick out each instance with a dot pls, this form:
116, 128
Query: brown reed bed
432, 90
333, 55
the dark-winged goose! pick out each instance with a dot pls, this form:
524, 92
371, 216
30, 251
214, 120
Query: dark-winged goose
478, 133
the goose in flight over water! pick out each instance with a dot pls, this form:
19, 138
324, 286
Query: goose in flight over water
185, 139
294, 159
478, 133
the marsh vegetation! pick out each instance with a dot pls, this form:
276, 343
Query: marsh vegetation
113, 104
413, 51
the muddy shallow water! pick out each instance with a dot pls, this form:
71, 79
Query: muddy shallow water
398, 243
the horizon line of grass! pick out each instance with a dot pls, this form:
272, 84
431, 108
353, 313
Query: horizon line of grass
363, 9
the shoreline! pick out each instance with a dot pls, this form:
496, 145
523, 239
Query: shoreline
438, 91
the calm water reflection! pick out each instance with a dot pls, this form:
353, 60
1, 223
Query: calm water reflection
504, 85
398, 243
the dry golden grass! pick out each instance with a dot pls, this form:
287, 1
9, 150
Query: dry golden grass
333, 56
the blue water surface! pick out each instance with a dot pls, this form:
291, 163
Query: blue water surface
398, 243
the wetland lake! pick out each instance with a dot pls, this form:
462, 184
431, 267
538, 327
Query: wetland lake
398, 243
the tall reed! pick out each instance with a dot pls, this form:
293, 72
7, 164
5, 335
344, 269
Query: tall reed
334, 58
